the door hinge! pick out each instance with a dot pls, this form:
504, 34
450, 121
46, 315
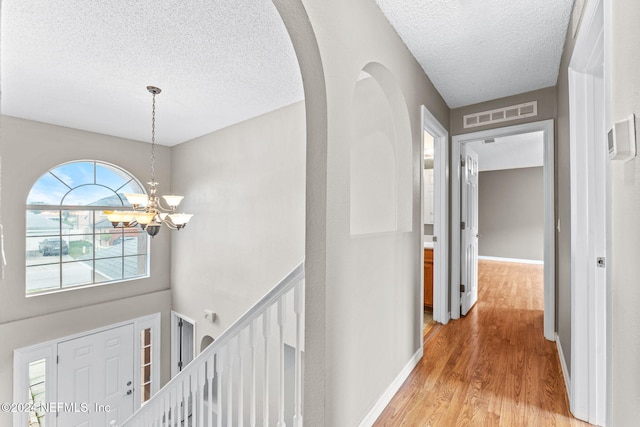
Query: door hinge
462, 288
180, 365
57, 359
601, 262
463, 225
462, 162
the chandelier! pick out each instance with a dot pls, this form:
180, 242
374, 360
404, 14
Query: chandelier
148, 210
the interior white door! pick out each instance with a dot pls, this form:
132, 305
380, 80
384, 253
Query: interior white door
469, 235
95, 379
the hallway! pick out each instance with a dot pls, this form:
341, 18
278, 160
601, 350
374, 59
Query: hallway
490, 368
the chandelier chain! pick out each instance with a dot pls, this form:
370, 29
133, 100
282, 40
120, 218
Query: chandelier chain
153, 138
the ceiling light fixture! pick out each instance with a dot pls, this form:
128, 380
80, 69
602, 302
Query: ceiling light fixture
148, 210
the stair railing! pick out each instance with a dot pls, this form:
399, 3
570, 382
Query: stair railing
250, 376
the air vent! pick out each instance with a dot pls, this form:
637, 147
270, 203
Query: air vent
499, 115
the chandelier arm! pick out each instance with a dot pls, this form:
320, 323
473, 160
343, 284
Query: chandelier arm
164, 208
169, 224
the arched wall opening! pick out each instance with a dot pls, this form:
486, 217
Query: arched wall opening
304, 42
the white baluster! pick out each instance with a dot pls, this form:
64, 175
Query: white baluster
167, 412
241, 377
202, 374
298, 308
155, 413
266, 331
174, 407
252, 374
183, 402
229, 370
220, 370
194, 381
280, 319
211, 370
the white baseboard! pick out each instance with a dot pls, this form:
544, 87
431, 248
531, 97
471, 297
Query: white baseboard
563, 364
391, 391
520, 261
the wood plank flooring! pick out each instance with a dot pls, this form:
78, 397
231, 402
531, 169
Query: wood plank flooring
490, 368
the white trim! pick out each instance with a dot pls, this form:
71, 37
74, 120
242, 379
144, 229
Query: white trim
391, 391
589, 174
517, 260
563, 365
21, 359
547, 127
154, 322
441, 215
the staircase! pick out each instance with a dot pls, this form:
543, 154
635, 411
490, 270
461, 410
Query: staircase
250, 376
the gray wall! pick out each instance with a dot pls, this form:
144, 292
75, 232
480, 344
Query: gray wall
511, 213
624, 294
247, 185
28, 150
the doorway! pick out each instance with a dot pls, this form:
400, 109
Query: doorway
182, 342
459, 141
435, 220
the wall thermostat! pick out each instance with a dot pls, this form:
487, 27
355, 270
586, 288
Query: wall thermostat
622, 139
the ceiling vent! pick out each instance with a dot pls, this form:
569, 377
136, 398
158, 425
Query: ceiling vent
505, 114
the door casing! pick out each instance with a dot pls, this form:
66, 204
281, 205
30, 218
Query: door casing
589, 107
441, 219
547, 128
175, 340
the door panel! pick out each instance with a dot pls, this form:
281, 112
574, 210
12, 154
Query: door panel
469, 235
95, 377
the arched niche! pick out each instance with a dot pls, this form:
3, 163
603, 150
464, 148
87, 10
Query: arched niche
380, 150
206, 342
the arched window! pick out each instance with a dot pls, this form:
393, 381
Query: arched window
69, 241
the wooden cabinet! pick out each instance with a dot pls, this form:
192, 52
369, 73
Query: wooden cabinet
428, 278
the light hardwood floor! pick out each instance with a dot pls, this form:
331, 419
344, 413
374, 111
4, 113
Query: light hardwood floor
490, 368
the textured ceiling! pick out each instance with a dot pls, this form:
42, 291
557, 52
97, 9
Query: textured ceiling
86, 64
525, 150
478, 50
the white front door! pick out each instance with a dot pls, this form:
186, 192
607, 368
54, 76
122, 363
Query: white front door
469, 237
95, 378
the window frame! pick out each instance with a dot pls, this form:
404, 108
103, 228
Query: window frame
95, 234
